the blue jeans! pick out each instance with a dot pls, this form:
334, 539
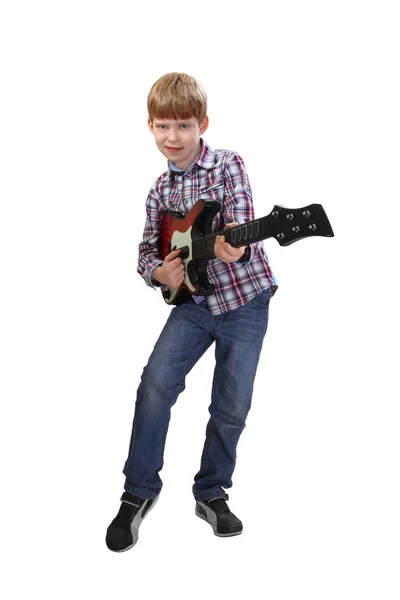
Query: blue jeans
188, 333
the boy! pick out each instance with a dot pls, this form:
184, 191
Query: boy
234, 316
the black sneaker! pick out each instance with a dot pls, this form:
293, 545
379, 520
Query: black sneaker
122, 533
217, 513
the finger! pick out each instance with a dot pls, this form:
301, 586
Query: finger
172, 255
228, 248
235, 252
178, 279
232, 253
233, 224
177, 263
225, 257
171, 266
177, 270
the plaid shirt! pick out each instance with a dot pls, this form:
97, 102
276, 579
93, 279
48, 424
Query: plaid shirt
218, 175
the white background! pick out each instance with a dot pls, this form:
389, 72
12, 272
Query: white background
308, 94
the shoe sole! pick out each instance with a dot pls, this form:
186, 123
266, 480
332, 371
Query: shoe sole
137, 521
212, 520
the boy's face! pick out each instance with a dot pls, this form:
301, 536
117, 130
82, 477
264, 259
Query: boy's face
179, 141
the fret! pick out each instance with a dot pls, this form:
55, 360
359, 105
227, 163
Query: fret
243, 233
200, 247
203, 247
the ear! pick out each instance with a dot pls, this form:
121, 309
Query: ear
150, 125
204, 125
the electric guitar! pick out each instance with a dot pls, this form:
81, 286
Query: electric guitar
192, 234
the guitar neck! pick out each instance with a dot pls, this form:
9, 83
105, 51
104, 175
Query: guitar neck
241, 235
284, 224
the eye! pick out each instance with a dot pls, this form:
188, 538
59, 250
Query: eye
184, 126
161, 126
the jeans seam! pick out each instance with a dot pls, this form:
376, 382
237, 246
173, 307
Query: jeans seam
206, 450
212, 434
163, 442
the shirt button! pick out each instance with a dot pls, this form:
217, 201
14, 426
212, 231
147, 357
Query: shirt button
185, 201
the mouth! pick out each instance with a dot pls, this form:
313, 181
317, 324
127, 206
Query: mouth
171, 149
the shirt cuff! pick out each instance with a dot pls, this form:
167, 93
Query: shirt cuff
152, 282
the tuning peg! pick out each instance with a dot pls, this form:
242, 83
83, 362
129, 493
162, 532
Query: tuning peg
306, 213
280, 236
290, 216
313, 227
275, 213
296, 229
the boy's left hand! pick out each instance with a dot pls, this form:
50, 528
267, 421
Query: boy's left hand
224, 251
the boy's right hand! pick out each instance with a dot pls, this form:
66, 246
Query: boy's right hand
172, 271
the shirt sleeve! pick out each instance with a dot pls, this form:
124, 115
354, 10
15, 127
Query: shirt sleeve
149, 255
238, 200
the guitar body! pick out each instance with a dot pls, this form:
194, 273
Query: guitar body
192, 235
178, 232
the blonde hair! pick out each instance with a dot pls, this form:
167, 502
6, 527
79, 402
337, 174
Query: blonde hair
177, 96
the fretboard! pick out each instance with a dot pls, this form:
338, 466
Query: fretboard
241, 235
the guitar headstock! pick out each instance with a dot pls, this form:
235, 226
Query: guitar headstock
293, 224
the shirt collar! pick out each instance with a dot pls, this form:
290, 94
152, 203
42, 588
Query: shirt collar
206, 156
175, 169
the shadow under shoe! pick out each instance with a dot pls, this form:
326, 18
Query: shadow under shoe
123, 531
216, 512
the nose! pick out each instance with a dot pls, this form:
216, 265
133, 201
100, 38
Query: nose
173, 135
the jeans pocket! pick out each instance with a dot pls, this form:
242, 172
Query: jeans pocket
262, 299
